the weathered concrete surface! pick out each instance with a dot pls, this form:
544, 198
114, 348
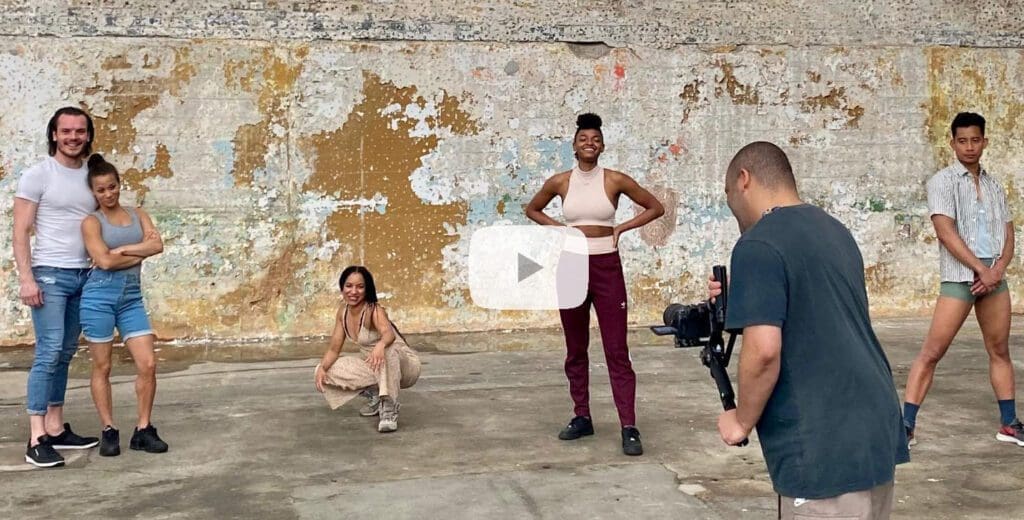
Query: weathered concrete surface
270, 165
657, 23
477, 440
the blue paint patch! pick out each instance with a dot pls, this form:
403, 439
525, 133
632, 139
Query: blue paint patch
555, 154
225, 152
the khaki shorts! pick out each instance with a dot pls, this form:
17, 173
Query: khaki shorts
870, 504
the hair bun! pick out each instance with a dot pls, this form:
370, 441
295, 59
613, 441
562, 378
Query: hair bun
588, 121
95, 160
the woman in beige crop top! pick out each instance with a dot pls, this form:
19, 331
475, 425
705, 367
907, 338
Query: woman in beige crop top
385, 364
585, 205
590, 196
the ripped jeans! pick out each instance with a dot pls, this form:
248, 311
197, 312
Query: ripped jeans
57, 329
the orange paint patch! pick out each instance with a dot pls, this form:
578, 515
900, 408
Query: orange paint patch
272, 79
740, 93
835, 99
134, 178
374, 154
115, 131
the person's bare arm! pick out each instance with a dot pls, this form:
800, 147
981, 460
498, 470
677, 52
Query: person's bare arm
758, 371
387, 336
152, 244
535, 209
998, 269
652, 206
333, 349
24, 220
760, 359
101, 256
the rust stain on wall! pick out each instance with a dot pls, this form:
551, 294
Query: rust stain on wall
651, 292
264, 294
115, 131
741, 94
834, 99
3, 172
116, 62
956, 83
372, 153
879, 279
133, 179
274, 78
691, 96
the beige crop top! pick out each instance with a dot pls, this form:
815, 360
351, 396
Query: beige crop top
586, 203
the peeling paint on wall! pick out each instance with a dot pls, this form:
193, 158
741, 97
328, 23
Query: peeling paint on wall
378, 148
269, 167
272, 78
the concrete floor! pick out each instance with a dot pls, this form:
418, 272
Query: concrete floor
251, 438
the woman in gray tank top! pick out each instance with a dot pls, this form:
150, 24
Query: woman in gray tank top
118, 240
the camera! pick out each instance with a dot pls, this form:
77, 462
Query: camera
699, 324
702, 325
690, 324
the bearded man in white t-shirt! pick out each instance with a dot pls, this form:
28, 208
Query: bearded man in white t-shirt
52, 198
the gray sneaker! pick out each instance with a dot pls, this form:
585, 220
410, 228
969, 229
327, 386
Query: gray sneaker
388, 415
372, 406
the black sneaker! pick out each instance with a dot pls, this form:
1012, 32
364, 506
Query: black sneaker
110, 444
69, 440
43, 455
147, 440
631, 441
578, 427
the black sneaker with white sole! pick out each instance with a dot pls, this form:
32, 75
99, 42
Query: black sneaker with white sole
578, 427
631, 444
147, 440
43, 455
69, 440
110, 442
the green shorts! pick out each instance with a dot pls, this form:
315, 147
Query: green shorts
962, 290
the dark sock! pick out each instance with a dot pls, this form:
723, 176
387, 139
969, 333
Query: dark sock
910, 414
1008, 411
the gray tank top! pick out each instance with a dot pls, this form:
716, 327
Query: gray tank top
117, 236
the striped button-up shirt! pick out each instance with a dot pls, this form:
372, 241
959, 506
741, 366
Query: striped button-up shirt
977, 211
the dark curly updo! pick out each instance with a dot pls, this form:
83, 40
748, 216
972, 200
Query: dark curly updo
588, 121
99, 166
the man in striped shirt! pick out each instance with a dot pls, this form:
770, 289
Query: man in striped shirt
972, 222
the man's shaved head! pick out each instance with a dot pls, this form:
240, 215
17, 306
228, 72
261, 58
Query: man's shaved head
765, 162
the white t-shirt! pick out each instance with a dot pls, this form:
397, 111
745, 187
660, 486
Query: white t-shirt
64, 199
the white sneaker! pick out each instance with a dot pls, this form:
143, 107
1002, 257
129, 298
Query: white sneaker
388, 415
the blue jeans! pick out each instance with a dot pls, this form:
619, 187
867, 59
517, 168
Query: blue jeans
57, 328
113, 299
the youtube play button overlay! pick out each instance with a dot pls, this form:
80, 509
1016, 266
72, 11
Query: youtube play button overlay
528, 267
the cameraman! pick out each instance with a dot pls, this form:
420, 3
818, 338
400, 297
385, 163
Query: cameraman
812, 375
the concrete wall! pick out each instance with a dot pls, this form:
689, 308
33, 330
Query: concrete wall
277, 142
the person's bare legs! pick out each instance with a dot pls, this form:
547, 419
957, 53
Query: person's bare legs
99, 382
949, 316
993, 313
141, 348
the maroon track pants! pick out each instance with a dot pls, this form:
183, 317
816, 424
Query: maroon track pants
607, 292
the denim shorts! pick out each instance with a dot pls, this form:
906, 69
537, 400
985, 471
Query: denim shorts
109, 299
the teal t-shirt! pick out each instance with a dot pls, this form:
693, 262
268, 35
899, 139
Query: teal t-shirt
833, 423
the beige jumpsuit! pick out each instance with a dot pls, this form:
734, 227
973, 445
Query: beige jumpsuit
349, 375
